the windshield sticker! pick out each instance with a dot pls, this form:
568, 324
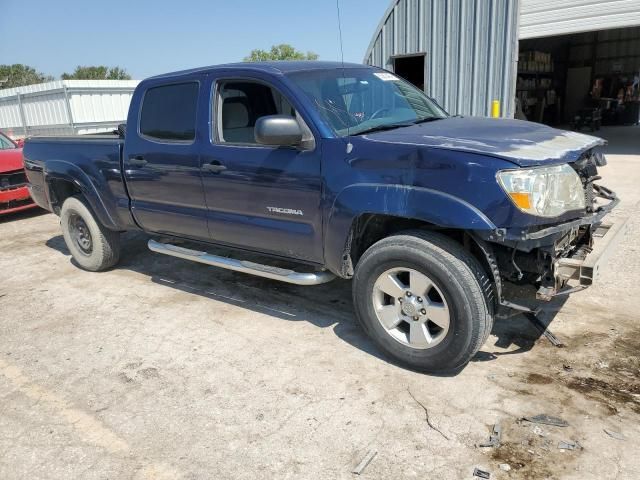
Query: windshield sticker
387, 77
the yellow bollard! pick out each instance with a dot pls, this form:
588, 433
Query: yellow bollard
495, 109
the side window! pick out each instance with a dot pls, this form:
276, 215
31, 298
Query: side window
242, 103
169, 112
5, 143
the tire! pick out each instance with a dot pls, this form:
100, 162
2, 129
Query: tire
458, 284
93, 246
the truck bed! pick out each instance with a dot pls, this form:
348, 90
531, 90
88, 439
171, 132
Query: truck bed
93, 160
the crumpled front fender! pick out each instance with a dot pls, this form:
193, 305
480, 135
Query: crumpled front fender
403, 201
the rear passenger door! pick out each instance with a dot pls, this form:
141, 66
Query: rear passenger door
261, 198
162, 161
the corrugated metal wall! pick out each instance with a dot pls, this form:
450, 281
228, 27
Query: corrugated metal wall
470, 46
541, 18
65, 107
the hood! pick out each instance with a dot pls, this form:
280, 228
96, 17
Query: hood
523, 143
11, 160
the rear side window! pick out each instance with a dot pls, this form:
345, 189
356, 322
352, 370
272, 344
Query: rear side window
169, 112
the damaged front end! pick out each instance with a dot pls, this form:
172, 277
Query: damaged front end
566, 257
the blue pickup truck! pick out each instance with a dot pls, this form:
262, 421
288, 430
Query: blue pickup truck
342, 170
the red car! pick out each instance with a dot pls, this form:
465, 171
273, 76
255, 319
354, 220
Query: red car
14, 194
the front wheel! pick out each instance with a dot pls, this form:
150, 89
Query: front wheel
423, 299
93, 246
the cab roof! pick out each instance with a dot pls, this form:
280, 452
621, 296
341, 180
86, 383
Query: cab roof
277, 67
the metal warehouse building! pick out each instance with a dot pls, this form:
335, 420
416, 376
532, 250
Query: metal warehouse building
65, 107
556, 60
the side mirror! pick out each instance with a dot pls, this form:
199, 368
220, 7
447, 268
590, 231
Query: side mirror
278, 130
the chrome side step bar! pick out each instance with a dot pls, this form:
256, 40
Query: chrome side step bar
266, 271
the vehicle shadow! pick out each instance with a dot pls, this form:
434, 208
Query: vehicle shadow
22, 215
514, 332
325, 306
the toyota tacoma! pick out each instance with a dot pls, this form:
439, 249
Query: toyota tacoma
343, 171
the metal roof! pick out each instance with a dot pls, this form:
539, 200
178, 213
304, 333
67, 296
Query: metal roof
545, 18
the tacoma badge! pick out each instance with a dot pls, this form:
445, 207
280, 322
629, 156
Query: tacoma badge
288, 211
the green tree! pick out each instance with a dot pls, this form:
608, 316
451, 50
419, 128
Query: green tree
279, 52
99, 72
18, 75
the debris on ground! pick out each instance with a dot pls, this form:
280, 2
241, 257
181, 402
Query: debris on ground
614, 434
426, 413
542, 328
547, 420
505, 467
365, 461
481, 473
494, 438
538, 431
562, 445
567, 367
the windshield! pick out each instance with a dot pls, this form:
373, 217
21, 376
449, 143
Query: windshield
358, 100
5, 143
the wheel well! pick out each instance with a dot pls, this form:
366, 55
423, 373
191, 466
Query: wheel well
59, 191
367, 229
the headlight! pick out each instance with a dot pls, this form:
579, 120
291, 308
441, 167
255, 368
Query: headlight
545, 192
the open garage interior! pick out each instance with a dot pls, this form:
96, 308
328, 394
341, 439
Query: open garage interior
581, 81
411, 68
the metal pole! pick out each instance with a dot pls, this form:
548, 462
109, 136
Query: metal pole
68, 105
25, 127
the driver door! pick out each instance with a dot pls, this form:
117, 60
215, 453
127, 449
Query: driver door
261, 198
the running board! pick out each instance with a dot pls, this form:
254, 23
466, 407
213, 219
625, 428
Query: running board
266, 271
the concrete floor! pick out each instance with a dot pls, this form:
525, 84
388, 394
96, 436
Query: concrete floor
163, 369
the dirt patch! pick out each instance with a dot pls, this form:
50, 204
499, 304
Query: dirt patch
537, 379
532, 451
614, 379
627, 393
523, 463
609, 374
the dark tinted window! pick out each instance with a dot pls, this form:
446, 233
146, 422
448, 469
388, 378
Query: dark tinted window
169, 112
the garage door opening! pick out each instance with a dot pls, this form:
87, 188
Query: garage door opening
411, 68
581, 81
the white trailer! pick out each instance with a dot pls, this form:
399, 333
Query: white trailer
65, 107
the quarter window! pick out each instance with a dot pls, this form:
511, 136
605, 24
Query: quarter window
169, 112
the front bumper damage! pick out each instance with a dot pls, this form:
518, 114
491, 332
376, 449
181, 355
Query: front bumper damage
585, 266
573, 261
560, 259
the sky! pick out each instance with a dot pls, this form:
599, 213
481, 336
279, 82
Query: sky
151, 37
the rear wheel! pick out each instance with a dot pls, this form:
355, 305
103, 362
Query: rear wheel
93, 246
422, 298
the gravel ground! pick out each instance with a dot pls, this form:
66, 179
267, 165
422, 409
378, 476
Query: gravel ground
162, 369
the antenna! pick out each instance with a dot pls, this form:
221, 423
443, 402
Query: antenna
349, 145
340, 34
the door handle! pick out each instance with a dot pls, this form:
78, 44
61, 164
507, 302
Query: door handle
214, 167
137, 161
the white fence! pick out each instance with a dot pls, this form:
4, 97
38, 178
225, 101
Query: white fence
65, 107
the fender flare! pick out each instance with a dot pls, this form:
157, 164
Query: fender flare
403, 201
69, 172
